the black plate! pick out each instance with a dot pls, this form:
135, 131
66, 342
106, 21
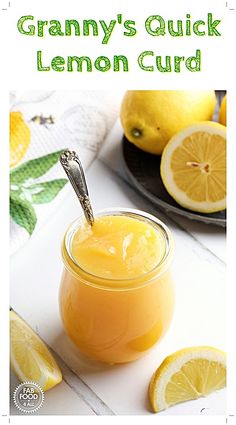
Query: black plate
143, 170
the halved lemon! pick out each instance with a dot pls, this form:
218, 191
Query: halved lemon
193, 167
187, 374
30, 358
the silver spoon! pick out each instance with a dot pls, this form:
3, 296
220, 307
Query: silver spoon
71, 163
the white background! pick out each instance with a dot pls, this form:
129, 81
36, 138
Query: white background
18, 71
22, 68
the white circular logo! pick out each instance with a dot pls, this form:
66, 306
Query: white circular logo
28, 397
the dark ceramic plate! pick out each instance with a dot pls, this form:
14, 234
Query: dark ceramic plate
143, 170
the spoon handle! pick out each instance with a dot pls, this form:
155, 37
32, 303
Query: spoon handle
71, 163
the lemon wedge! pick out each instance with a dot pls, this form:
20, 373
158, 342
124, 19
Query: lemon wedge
30, 358
193, 167
187, 374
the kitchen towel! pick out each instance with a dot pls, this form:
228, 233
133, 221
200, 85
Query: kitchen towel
43, 123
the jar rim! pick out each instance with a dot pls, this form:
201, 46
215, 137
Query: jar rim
158, 269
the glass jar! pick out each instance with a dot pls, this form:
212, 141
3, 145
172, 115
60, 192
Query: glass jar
117, 320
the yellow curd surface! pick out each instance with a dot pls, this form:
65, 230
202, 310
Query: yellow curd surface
118, 247
110, 322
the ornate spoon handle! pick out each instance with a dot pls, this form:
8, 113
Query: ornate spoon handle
71, 163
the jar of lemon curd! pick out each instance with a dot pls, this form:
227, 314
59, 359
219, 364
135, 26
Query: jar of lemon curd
117, 293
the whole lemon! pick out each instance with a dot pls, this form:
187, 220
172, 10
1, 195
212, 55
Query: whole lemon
19, 138
151, 117
222, 113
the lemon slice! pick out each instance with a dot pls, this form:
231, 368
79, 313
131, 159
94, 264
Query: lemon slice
30, 358
187, 374
193, 167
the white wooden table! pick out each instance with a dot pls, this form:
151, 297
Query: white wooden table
90, 388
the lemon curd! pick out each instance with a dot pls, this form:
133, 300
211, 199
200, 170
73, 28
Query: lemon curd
117, 247
116, 293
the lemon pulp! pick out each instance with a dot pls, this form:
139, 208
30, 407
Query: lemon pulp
187, 375
31, 360
193, 167
200, 155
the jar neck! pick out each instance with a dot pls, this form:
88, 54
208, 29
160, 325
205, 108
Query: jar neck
161, 267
